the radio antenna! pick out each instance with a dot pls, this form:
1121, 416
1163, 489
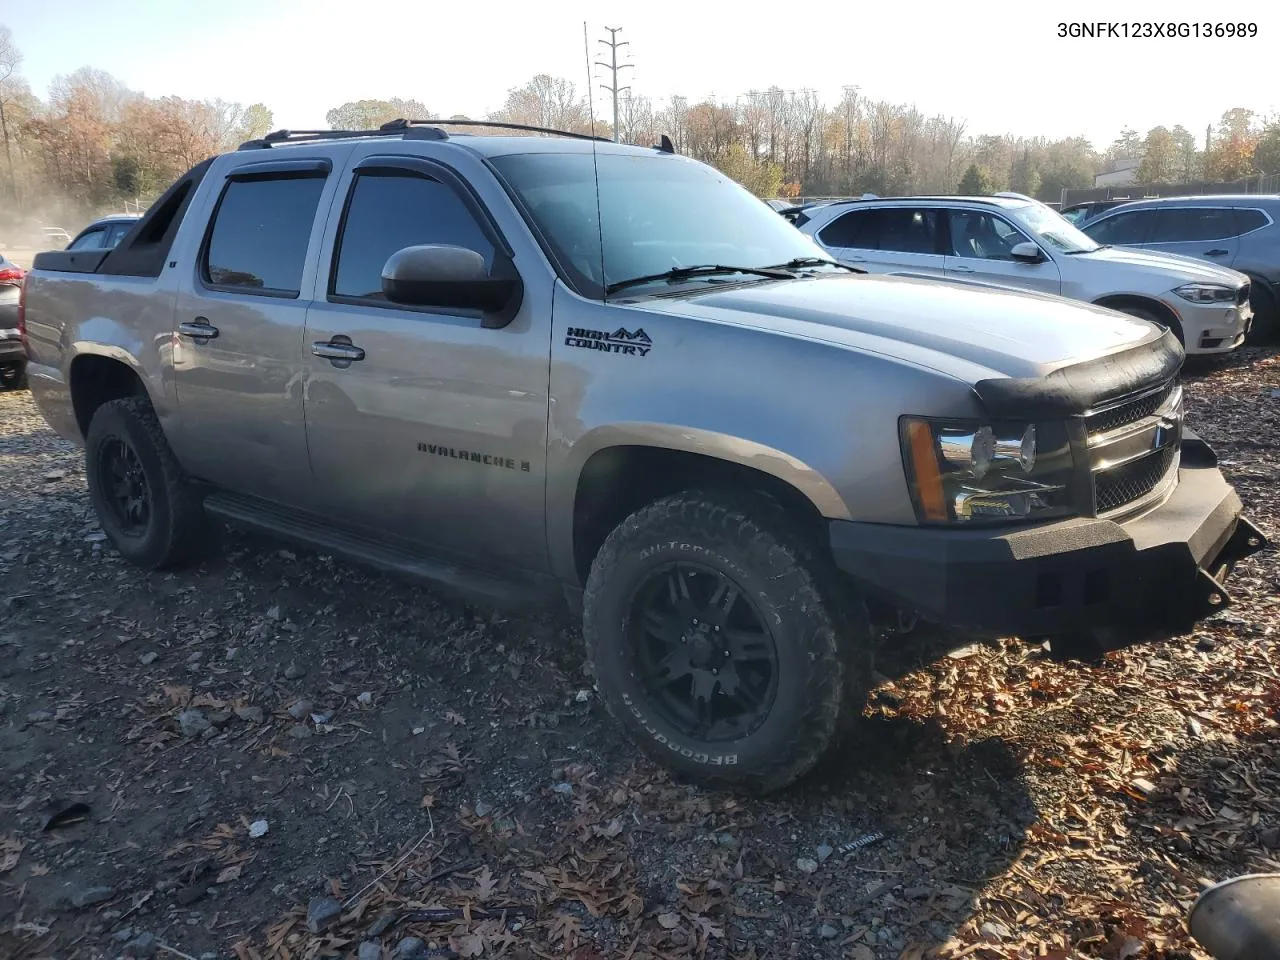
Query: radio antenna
595, 162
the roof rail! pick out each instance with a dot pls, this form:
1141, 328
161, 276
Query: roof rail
1010, 195
276, 137
402, 124
408, 129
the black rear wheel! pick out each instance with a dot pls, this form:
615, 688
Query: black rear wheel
144, 504
722, 641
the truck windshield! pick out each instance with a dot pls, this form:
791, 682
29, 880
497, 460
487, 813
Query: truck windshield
657, 212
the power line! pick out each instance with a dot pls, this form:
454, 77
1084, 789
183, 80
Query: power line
613, 43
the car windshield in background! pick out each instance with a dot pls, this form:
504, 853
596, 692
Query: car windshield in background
1054, 229
659, 212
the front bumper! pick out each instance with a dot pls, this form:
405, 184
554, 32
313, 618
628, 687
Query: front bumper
1214, 328
1163, 570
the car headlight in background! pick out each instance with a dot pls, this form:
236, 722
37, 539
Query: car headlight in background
1206, 293
968, 471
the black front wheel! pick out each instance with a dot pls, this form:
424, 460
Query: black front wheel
722, 642
14, 376
144, 504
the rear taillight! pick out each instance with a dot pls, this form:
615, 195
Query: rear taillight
12, 275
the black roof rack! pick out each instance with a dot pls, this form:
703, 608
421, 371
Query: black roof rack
408, 129
395, 125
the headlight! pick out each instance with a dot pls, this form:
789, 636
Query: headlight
966, 471
1206, 293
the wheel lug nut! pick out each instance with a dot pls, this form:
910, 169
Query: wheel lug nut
694, 621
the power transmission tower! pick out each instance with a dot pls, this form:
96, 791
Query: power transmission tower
613, 43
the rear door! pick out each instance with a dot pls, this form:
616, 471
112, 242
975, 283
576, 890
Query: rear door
980, 248
888, 240
1206, 233
240, 318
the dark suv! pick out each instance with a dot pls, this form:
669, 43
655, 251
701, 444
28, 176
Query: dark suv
1237, 231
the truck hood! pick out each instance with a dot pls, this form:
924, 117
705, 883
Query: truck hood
1173, 269
969, 332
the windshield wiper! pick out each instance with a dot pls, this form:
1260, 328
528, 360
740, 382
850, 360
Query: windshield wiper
799, 263
1101, 246
702, 270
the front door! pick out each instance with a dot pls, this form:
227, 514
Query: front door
240, 317
422, 425
981, 247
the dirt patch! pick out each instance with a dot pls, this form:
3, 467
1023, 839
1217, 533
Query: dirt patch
429, 770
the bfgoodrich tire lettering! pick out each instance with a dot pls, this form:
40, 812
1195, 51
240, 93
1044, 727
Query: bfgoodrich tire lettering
819, 642
146, 508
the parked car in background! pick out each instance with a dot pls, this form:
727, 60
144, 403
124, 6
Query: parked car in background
1081, 213
1015, 241
54, 236
104, 233
1239, 231
13, 355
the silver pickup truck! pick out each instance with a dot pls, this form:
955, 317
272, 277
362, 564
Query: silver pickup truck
554, 366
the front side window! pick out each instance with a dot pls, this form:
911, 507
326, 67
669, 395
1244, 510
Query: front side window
388, 211
1188, 224
982, 236
260, 234
1122, 228
655, 212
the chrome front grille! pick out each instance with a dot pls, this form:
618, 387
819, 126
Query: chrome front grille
1132, 481
1128, 411
1133, 449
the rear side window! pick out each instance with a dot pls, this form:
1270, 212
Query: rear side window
1250, 220
1121, 229
260, 233
909, 231
859, 228
391, 210
1181, 224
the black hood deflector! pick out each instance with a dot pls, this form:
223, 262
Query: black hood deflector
1082, 386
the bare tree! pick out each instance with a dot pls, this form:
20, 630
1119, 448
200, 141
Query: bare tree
10, 58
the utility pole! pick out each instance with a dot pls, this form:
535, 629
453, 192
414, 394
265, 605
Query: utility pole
613, 43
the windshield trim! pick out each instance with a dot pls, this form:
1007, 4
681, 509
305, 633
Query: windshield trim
544, 242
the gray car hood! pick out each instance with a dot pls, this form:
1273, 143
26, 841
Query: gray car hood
1178, 269
971, 333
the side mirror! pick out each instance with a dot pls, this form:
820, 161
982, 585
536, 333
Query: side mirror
1027, 252
441, 275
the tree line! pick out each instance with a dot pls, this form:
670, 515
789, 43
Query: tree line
93, 145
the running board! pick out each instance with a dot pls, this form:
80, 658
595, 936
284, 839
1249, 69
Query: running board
305, 530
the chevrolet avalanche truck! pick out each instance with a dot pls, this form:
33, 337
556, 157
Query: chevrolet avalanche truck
532, 366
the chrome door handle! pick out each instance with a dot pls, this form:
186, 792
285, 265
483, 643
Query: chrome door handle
961, 269
338, 352
200, 330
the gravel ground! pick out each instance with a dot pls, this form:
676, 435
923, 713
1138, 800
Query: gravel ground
425, 769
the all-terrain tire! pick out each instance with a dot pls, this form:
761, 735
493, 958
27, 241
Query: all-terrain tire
176, 529
820, 628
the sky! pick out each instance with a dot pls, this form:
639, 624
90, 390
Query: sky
998, 65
